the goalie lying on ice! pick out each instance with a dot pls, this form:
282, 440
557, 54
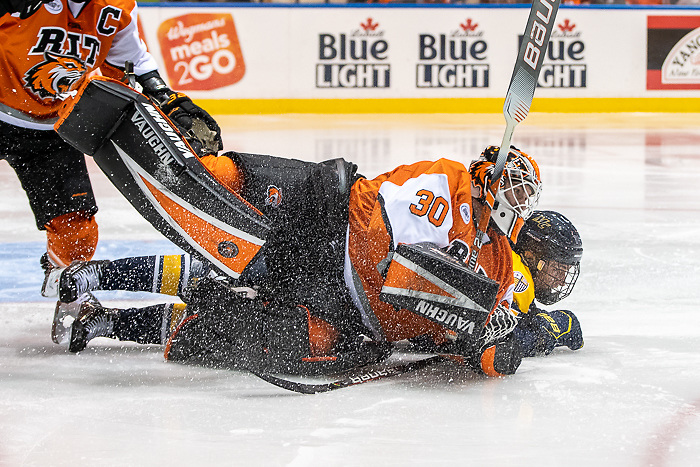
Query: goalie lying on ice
343, 266
350, 266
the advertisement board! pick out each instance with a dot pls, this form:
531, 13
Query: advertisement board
274, 58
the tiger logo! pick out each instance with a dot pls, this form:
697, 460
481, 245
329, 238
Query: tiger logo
274, 196
481, 172
55, 76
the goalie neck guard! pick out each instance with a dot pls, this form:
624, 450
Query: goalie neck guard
519, 190
551, 248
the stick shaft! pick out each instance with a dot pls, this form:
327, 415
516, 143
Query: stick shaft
521, 91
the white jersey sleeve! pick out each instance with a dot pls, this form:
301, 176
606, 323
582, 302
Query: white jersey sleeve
128, 46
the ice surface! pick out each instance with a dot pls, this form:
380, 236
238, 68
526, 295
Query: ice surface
630, 397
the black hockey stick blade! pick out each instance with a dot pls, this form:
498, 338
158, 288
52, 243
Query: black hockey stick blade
354, 380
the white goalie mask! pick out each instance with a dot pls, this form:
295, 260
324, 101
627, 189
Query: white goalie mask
519, 190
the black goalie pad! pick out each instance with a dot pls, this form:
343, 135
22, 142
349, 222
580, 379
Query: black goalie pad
148, 160
429, 282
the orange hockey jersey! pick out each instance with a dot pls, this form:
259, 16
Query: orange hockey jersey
43, 56
422, 202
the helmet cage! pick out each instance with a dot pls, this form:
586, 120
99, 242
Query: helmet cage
555, 280
519, 190
518, 195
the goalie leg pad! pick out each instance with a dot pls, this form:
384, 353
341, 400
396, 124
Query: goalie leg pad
231, 332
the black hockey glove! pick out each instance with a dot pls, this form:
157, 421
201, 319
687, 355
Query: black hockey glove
198, 127
25, 8
498, 358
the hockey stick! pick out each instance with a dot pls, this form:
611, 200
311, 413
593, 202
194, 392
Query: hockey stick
345, 382
518, 100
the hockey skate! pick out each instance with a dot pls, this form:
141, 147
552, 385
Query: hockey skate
64, 316
70, 283
92, 321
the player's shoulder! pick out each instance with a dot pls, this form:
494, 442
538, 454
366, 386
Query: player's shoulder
524, 291
453, 170
448, 167
123, 5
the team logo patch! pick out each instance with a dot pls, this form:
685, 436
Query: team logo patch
54, 77
54, 7
521, 284
274, 196
466, 212
227, 249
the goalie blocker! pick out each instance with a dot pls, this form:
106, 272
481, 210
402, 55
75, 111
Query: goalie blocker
429, 282
148, 160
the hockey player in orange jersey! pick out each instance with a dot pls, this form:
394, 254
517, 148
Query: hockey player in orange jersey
47, 47
317, 301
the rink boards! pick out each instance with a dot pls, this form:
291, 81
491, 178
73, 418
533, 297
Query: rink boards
387, 59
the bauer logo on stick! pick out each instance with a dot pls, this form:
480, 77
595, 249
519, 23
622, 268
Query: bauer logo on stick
539, 33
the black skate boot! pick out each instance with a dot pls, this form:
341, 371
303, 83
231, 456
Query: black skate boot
93, 321
64, 316
67, 284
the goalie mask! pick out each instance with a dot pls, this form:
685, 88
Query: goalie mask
551, 248
519, 190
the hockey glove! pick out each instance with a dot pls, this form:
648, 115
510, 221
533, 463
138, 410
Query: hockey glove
195, 122
501, 358
198, 127
501, 322
541, 333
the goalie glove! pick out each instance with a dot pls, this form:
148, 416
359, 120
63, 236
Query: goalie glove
198, 127
501, 322
497, 352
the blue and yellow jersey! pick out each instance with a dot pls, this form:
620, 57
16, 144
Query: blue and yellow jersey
524, 292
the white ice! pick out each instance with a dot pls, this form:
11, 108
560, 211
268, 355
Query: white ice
630, 397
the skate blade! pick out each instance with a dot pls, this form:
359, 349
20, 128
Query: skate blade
49, 288
63, 318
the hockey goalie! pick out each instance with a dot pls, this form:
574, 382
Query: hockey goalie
297, 267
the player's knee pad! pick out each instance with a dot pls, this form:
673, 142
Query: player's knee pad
71, 237
502, 358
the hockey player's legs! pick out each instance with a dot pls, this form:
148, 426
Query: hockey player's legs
167, 274
277, 185
225, 171
149, 325
55, 178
